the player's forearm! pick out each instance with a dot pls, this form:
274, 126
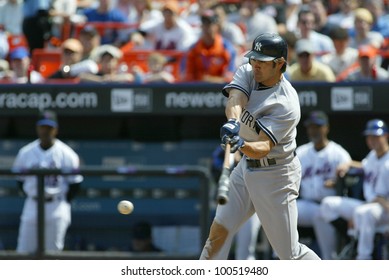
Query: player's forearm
236, 101
256, 150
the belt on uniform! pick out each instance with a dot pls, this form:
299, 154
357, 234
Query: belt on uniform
263, 162
257, 163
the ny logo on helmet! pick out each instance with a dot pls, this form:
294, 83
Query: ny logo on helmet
258, 46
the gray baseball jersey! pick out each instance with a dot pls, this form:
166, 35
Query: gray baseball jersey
270, 189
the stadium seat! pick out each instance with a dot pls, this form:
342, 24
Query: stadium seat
46, 61
139, 58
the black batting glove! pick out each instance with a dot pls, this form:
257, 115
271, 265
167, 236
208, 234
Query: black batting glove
229, 129
236, 143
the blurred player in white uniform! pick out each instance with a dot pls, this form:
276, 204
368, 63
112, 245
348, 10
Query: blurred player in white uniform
263, 111
319, 159
337, 209
369, 216
46, 152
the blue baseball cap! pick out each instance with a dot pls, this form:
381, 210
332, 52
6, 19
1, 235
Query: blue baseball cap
47, 118
19, 53
317, 118
376, 127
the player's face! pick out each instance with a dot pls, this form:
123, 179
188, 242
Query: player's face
266, 72
377, 143
46, 135
317, 133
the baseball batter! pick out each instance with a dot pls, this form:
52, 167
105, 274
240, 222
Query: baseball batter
319, 159
263, 111
335, 208
46, 152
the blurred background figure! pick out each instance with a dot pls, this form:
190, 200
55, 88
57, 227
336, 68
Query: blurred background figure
173, 32
108, 58
156, 73
212, 58
253, 21
90, 40
71, 64
37, 23
322, 25
344, 56
321, 43
361, 33
106, 12
142, 239
11, 16
21, 71
368, 68
380, 16
307, 68
4, 45
344, 17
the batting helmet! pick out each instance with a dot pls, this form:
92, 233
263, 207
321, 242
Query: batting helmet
267, 47
376, 127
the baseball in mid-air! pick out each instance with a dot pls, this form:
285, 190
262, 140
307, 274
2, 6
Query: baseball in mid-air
125, 207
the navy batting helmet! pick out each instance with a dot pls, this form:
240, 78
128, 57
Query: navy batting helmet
267, 47
376, 127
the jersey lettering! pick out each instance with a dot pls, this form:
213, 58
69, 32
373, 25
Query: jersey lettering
247, 119
324, 170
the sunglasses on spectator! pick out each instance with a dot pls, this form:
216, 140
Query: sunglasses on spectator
68, 52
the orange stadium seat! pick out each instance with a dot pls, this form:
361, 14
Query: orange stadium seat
139, 58
46, 61
15, 41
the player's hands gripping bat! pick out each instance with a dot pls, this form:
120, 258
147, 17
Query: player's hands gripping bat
224, 180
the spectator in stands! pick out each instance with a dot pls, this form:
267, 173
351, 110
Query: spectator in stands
212, 58
291, 13
108, 57
62, 13
253, 21
144, 13
156, 73
344, 56
4, 46
4, 70
307, 68
345, 16
21, 71
229, 30
36, 23
11, 16
90, 40
319, 158
367, 70
322, 25
290, 39
192, 14
106, 12
277, 10
173, 32
71, 64
322, 44
380, 16
142, 239
362, 34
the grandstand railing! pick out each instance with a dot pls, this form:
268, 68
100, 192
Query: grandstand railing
200, 172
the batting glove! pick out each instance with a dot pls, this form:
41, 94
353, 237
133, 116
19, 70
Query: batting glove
236, 143
230, 129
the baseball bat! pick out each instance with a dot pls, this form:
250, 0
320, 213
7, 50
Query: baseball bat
224, 180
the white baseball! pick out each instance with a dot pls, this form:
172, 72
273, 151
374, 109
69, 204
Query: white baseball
125, 207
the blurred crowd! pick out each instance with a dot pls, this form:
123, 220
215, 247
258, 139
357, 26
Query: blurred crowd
172, 41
